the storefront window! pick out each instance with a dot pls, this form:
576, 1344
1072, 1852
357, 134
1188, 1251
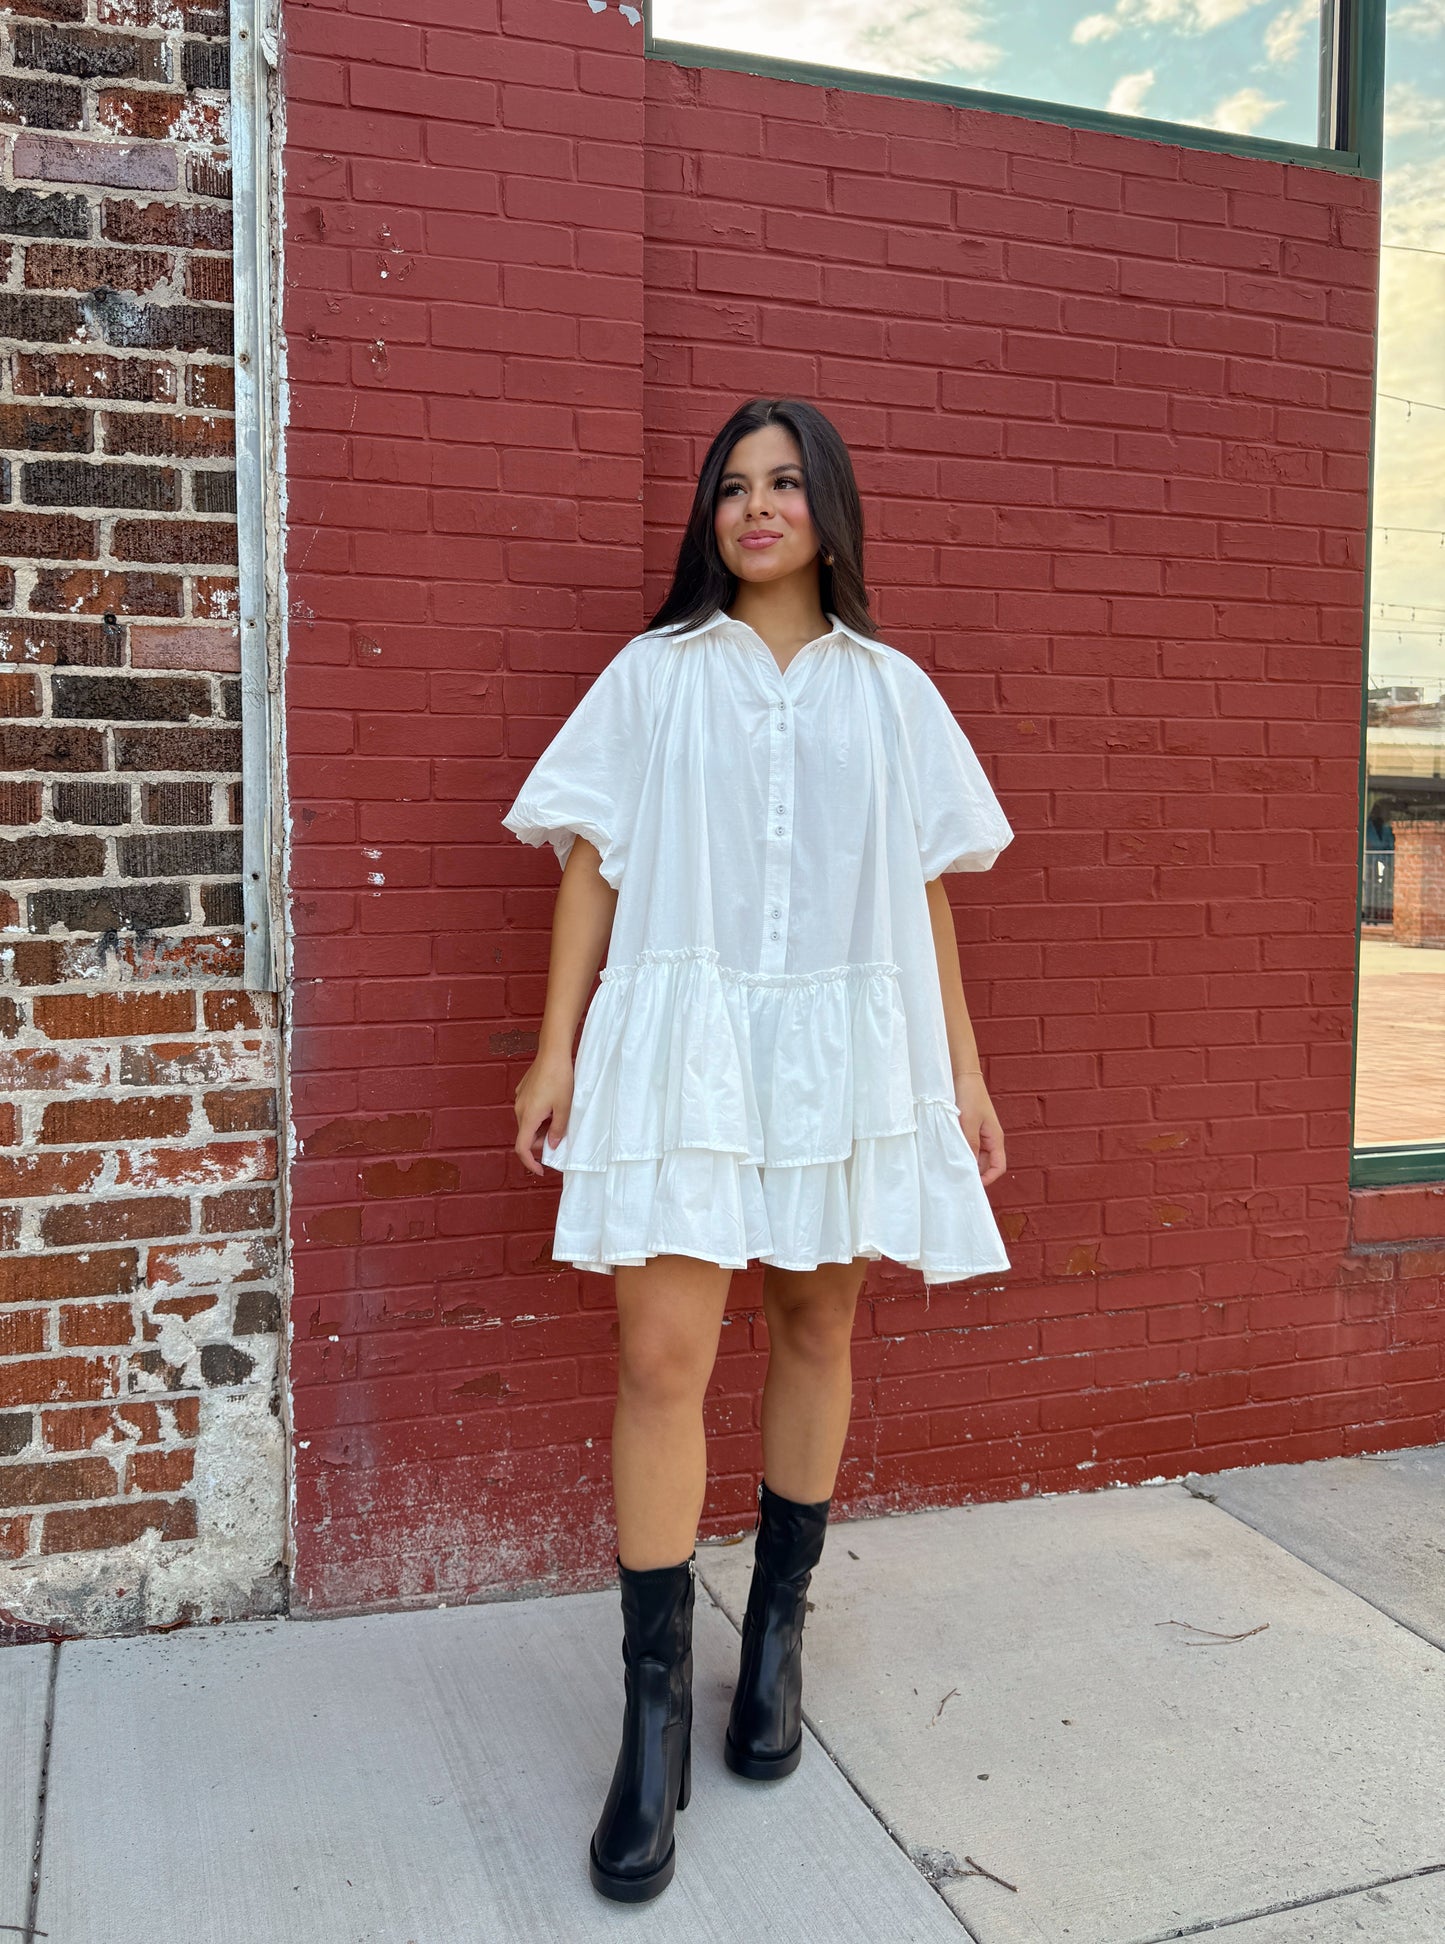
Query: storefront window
1241, 67
1400, 1055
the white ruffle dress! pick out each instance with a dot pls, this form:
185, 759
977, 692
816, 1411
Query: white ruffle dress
763, 1071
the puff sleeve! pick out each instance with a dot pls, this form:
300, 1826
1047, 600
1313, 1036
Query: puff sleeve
959, 822
587, 781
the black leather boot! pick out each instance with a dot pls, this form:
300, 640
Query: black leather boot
631, 1856
765, 1727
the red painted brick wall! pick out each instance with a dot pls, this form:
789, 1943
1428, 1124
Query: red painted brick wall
1109, 402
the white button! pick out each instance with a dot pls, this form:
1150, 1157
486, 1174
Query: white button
775, 934
777, 830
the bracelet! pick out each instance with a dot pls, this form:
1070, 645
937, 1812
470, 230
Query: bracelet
969, 1073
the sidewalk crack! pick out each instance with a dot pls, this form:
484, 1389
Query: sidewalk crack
916, 1862
32, 1901
1325, 1572
1292, 1903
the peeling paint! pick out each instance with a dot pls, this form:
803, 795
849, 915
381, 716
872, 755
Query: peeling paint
232, 1570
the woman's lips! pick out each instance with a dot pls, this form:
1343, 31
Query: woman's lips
757, 541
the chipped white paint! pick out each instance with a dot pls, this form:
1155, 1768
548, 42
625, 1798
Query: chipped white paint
231, 1571
208, 1264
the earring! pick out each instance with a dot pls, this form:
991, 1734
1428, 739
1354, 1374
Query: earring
827, 560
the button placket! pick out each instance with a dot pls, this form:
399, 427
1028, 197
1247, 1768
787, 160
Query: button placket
777, 872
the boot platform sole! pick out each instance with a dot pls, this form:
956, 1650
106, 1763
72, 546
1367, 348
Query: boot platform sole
632, 1889
762, 1768
638, 1889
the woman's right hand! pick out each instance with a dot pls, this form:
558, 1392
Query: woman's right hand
545, 1088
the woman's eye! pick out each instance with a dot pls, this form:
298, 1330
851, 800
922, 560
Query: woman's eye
735, 486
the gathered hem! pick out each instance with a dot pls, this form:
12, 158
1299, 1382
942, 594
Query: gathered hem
756, 1159
932, 1273
736, 975
529, 823
740, 1155
915, 1197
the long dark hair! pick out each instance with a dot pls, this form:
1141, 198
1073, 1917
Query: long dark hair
701, 582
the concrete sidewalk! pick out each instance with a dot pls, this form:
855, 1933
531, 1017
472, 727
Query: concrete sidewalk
1110, 1718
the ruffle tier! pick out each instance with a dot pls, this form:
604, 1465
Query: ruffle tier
762, 1116
779, 1069
916, 1197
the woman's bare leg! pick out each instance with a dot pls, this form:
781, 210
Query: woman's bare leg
669, 1316
808, 1393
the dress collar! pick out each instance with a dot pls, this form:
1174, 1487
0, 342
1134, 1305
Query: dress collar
720, 617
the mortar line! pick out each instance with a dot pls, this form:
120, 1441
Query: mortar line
1292, 1903
874, 1812
32, 1900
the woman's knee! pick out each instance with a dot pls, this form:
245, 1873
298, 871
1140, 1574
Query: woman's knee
660, 1368
812, 1314
667, 1334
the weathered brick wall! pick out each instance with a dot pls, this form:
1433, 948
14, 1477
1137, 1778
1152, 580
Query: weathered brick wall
140, 1450
1110, 402
1419, 882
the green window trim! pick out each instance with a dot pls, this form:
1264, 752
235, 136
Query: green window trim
1397, 1167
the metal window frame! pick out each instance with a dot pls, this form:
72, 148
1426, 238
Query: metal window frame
259, 490
1362, 50
1352, 50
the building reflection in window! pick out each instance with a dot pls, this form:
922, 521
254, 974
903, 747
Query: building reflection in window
1400, 1055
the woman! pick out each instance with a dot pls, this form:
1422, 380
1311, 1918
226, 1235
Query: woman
753, 805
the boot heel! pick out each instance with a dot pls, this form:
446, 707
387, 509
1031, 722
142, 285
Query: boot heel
764, 1738
684, 1792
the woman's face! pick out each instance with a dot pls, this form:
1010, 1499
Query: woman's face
763, 527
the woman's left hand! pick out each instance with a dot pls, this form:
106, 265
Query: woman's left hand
980, 1125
